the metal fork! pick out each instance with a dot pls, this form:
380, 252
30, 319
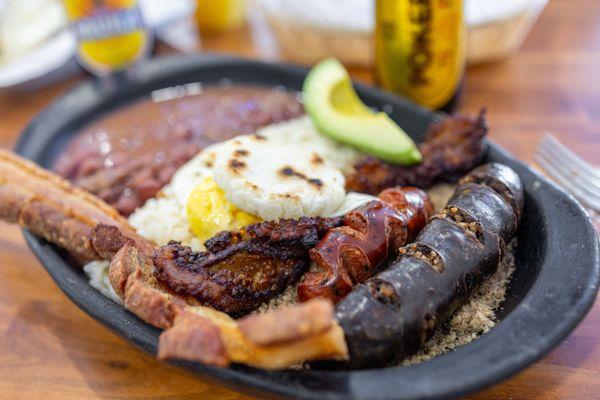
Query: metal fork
577, 176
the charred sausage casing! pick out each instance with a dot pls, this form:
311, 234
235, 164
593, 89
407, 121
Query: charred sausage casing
392, 314
371, 234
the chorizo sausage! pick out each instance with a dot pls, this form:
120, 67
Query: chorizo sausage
371, 234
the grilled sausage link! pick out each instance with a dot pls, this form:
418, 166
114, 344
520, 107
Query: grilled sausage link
392, 314
371, 234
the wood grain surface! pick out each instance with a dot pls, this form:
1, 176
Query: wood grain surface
50, 349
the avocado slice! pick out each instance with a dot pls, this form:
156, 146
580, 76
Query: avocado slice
337, 112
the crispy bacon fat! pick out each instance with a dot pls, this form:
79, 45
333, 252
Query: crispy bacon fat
451, 148
371, 234
273, 340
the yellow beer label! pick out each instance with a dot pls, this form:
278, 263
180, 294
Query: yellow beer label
110, 33
420, 48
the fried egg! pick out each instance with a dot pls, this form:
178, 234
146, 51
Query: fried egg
287, 170
209, 212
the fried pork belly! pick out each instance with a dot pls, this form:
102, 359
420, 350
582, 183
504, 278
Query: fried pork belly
50, 207
274, 340
451, 148
199, 333
242, 269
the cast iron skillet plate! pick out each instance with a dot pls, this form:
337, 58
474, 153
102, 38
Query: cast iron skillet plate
553, 287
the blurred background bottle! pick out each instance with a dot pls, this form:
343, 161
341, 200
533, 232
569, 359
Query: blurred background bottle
420, 50
216, 16
111, 34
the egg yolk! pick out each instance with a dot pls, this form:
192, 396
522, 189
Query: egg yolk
209, 212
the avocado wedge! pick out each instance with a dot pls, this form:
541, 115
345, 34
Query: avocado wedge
337, 112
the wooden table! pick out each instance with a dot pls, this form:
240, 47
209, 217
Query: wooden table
51, 349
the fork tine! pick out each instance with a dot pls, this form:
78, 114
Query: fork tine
586, 189
552, 143
589, 186
565, 184
564, 181
581, 176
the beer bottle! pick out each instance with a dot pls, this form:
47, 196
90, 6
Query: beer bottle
111, 34
420, 50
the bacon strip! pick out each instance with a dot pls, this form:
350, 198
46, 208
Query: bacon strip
371, 234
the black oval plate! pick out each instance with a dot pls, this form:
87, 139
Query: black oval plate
554, 286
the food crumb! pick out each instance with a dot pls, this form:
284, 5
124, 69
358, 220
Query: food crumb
440, 194
288, 297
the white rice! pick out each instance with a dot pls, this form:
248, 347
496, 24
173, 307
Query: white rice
97, 273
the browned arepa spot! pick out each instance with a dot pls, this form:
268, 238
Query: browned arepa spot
258, 136
252, 186
316, 159
316, 182
209, 162
241, 152
291, 172
236, 166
